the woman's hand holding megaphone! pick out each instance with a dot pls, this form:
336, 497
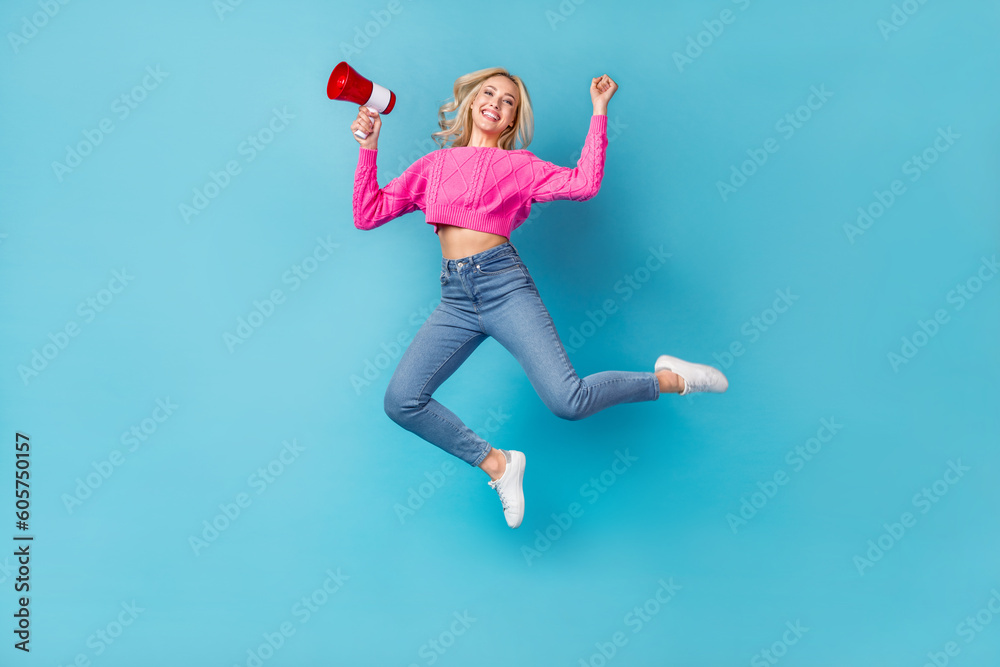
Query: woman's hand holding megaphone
369, 122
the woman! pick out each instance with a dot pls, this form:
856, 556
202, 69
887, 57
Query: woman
475, 192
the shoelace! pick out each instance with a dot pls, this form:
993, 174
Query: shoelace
503, 498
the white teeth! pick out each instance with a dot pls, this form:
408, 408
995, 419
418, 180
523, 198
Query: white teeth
491, 115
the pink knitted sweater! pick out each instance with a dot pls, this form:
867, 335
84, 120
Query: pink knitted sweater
487, 189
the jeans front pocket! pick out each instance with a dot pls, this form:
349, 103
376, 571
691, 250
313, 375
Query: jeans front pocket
497, 265
444, 277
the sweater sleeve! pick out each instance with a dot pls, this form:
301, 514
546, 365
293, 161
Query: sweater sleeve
373, 207
580, 183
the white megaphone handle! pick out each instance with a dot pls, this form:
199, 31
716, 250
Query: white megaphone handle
361, 134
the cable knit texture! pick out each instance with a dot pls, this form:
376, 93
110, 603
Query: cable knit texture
487, 189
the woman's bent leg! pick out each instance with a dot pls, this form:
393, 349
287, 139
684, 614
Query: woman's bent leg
442, 343
521, 323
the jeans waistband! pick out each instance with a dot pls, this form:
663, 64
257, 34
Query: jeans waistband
503, 248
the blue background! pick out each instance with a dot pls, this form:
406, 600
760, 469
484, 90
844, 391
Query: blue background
675, 131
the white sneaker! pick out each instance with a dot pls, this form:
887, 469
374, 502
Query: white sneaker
697, 377
508, 487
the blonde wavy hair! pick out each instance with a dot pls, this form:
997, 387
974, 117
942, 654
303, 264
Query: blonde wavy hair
457, 131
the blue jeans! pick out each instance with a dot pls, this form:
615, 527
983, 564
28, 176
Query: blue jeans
491, 293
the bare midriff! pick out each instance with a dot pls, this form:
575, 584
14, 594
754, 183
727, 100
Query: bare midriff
459, 242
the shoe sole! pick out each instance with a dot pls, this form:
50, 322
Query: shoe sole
520, 487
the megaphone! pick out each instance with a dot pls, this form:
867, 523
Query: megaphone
347, 85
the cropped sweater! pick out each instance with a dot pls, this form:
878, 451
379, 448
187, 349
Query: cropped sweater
482, 188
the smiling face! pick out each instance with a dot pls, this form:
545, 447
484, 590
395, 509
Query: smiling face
494, 109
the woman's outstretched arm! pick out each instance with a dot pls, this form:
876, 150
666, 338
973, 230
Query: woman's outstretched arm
374, 206
551, 181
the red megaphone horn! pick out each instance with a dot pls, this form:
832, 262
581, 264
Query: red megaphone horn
347, 85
